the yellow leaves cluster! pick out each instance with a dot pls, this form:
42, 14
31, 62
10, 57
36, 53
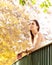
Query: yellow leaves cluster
4, 4
13, 19
11, 24
6, 54
6, 37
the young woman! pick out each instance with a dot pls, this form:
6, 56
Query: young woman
35, 38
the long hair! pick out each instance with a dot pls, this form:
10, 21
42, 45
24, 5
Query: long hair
32, 36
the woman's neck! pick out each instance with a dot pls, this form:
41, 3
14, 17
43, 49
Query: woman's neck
34, 33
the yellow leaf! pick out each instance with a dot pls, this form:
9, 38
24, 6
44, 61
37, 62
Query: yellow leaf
2, 4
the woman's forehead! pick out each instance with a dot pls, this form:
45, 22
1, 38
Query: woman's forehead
31, 21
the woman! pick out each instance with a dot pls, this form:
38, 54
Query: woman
35, 38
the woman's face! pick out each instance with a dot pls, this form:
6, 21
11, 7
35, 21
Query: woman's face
33, 26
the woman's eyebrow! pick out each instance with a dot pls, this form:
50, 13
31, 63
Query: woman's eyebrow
29, 22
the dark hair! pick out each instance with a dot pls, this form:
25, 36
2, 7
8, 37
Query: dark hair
37, 24
32, 36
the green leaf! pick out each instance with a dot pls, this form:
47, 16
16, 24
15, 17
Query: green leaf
45, 5
22, 2
33, 1
45, 10
42, 5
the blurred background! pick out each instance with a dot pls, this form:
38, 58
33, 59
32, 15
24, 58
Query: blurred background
15, 15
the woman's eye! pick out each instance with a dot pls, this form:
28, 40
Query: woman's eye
32, 23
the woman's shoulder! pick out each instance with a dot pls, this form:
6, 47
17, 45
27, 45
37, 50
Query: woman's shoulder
41, 37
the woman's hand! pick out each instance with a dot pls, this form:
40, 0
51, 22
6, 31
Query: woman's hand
19, 56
